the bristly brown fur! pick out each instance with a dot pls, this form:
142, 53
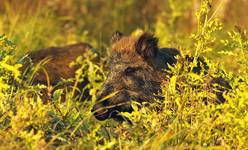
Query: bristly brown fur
147, 45
57, 68
116, 37
139, 68
125, 45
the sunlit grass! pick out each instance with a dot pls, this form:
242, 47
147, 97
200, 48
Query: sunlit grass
187, 118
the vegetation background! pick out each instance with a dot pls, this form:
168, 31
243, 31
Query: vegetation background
215, 29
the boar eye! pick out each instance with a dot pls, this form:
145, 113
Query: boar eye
129, 70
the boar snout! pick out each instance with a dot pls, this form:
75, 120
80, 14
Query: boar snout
110, 107
100, 112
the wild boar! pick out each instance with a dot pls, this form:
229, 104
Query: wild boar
56, 66
136, 73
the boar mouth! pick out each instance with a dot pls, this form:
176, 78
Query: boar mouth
105, 112
102, 114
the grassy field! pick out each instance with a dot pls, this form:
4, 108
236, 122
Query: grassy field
215, 29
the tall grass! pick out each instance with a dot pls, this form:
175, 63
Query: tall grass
32, 30
187, 118
34, 26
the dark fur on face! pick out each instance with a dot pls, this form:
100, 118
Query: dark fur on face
136, 73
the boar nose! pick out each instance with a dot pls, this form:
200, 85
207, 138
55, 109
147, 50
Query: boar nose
100, 112
106, 89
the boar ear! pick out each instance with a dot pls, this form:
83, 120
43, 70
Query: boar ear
116, 37
147, 45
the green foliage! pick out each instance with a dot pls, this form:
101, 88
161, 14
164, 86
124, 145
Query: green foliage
168, 22
187, 118
8, 69
206, 26
237, 46
91, 71
15, 25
